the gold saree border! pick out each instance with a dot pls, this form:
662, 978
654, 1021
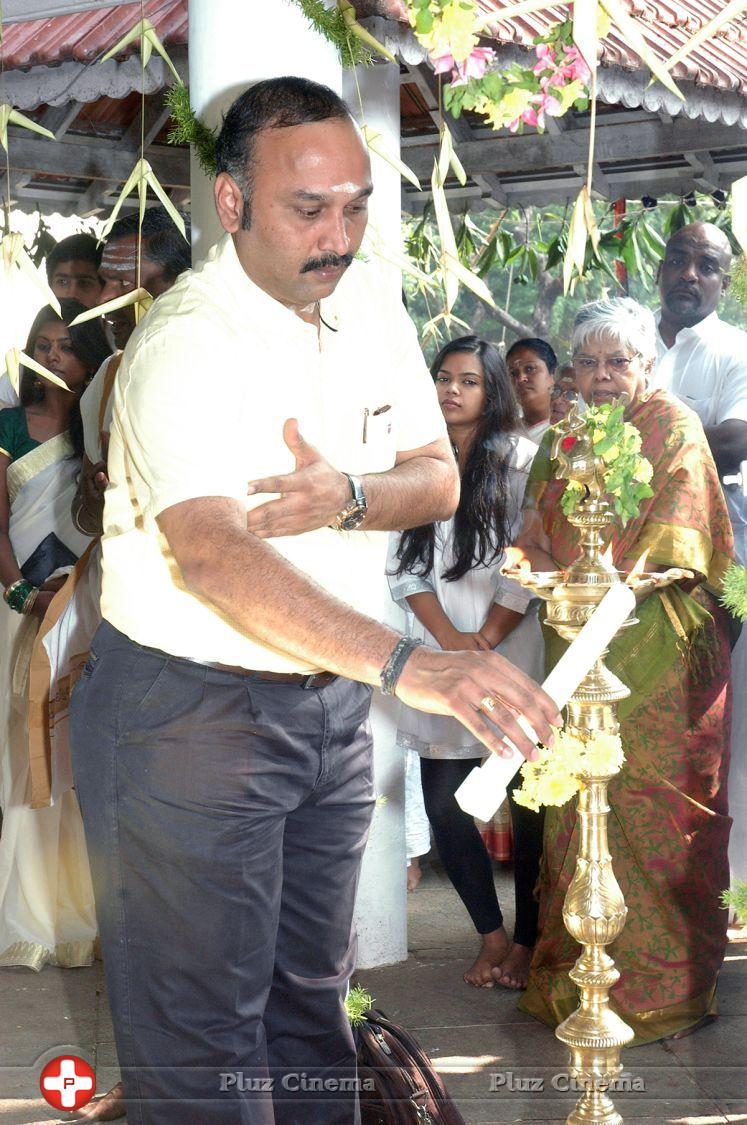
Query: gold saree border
65, 955
42, 707
23, 470
685, 547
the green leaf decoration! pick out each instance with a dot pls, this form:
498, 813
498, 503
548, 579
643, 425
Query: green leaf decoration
141, 178
332, 25
377, 144
736, 897
140, 298
348, 14
734, 594
10, 116
739, 279
146, 33
13, 255
357, 1002
188, 129
626, 473
14, 358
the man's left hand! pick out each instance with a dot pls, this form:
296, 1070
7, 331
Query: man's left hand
310, 497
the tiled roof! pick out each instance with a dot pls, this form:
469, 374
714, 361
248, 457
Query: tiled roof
720, 63
88, 35
667, 24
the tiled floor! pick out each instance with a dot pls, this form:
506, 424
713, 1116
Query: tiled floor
492, 1057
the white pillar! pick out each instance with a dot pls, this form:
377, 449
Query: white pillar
233, 43
373, 96
381, 910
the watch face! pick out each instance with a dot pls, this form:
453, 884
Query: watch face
356, 517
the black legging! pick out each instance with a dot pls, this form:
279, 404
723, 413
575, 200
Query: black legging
465, 856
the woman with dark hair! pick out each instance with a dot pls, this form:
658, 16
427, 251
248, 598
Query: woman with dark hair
46, 899
447, 577
531, 365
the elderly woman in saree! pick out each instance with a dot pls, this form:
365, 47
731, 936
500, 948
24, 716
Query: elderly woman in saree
46, 899
668, 824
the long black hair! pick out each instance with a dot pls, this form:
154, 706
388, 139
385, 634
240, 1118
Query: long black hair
90, 346
482, 522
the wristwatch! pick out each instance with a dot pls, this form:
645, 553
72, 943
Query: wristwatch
354, 512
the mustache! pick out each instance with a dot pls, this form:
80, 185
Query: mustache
327, 261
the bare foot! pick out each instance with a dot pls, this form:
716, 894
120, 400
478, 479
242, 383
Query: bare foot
702, 1022
494, 949
109, 1107
414, 873
513, 972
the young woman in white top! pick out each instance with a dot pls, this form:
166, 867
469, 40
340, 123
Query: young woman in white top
447, 576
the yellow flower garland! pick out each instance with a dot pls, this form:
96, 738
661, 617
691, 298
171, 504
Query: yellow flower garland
559, 773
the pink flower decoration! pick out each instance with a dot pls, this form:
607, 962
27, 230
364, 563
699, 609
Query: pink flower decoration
529, 117
556, 79
477, 63
546, 57
575, 65
443, 63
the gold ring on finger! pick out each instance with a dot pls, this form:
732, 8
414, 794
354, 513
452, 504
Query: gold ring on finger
487, 703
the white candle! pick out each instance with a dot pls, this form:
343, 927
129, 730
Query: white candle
484, 789
614, 608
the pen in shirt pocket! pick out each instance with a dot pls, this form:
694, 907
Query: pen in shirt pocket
372, 414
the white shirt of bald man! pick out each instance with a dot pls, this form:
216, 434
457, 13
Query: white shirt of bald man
706, 368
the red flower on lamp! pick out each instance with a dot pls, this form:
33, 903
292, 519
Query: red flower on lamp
568, 443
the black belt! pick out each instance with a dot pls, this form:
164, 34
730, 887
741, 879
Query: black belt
312, 680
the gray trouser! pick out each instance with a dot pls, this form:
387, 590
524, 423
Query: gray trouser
225, 818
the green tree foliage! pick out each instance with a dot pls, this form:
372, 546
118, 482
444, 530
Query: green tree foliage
519, 252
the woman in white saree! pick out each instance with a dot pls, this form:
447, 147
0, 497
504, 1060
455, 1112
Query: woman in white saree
47, 910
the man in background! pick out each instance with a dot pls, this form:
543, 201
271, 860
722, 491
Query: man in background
73, 269
703, 360
164, 255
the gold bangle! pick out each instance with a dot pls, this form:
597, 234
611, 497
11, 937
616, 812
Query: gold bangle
79, 526
8, 592
28, 605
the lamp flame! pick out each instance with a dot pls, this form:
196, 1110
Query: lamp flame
638, 569
516, 560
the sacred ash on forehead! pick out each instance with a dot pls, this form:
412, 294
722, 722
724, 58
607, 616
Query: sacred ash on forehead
349, 188
119, 265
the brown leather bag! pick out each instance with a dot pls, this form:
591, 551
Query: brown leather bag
397, 1082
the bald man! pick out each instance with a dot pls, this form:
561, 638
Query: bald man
703, 360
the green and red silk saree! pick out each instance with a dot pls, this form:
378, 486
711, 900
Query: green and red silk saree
669, 823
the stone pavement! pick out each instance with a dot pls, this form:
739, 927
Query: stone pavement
492, 1057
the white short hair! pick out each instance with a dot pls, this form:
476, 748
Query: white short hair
617, 318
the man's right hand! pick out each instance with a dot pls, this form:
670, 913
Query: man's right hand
90, 495
457, 683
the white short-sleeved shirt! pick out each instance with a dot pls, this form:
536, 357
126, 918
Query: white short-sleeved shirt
90, 407
206, 383
706, 368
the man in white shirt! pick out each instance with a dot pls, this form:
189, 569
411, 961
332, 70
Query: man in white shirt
221, 747
703, 360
